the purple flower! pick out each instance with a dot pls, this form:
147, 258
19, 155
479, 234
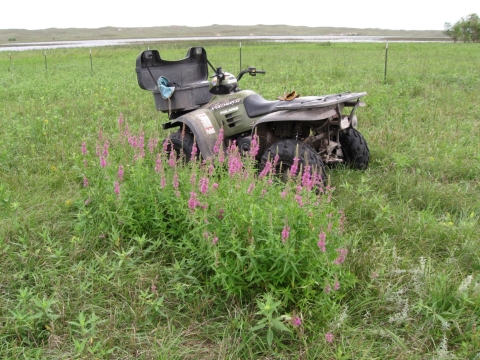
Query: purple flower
105, 148
336, 286
175, 181
163, 182
327, 289
329, 337
194, 151
215, 185
214, 240
251, 187
234, 165
152, 143
285, 233
116, 188
171, 160
294, 167
296, 321
85, 181
321, 242
103, 161
254, 146
342, 253
120, 120
266, 170
158, 164
218, 144
193, 202
204, 185
120, 173
84, 148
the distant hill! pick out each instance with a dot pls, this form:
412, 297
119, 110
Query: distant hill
55, 34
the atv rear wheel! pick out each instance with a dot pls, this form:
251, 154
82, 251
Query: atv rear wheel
354, 148
287, 150
182, 142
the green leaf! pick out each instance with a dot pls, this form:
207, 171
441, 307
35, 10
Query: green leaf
279, 325
269, 336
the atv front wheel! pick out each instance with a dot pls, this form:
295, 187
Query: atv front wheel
354, 148
287, 150
182, 142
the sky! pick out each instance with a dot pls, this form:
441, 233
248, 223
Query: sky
395, 15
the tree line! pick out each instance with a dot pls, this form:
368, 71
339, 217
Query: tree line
466, 29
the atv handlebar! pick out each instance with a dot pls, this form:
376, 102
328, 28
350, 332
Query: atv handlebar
250, 70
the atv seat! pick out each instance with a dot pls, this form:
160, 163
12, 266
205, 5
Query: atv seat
188, 75
255, 105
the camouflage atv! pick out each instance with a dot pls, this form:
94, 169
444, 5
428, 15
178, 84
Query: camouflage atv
312, 128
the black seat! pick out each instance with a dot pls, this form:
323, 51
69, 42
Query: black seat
255, 105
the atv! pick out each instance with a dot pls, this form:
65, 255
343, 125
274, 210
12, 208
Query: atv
313, 130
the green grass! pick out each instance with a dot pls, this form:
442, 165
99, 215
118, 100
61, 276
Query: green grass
412, 217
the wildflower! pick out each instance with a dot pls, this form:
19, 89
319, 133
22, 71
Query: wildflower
45, 121
84, 148
103, 161
171, 160
163, 182
285, 233
120, 120
342, 253
152, 143
116, 188
218, 144
85, 181
221, 212
215, 185
251, 187
105, 148
299, 200
294, 167
193, 178
321, 242
234, 165
175, 181
266, 170
120, 173
165, 145
214, 240
158, 164
211, 169
194, 151
327, 289
329, 337
254, 146
336, 286
204, 185
296, 321
283, 194
206, 234
193, 202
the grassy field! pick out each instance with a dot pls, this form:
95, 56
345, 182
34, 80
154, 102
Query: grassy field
79, 283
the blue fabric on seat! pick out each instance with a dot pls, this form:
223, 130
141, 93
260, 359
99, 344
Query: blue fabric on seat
166, 90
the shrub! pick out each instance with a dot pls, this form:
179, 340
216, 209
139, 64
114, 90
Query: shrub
242, 233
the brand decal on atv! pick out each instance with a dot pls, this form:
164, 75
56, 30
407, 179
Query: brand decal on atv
222, 104
207, 124
228, 111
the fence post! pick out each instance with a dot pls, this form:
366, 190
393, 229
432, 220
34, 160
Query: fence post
386, 62
91, 61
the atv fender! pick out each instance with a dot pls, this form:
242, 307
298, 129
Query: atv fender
204, 130
313, 114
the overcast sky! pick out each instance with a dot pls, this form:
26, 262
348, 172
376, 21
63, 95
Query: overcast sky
400, 14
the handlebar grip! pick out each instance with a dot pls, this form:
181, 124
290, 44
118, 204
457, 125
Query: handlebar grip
261, 72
